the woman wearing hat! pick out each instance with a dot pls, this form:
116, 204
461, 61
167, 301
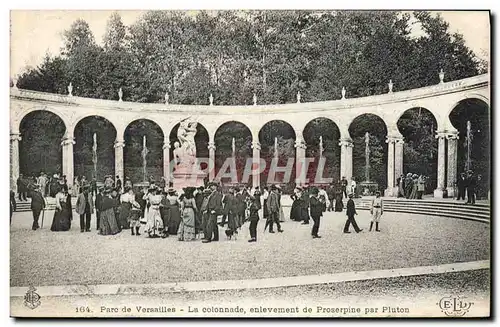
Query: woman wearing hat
186, 230
172, 212
154, 225
108, 225
62, 217
126, 200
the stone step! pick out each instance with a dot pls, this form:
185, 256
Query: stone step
468, 208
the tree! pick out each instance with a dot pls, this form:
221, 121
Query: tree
114, 38
77, 37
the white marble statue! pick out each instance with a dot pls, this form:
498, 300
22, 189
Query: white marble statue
186, 134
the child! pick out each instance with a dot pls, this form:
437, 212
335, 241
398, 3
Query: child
135, 215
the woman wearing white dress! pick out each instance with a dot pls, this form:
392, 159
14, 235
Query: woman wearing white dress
76, 187
154, 225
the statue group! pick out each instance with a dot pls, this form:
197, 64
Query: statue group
185, 151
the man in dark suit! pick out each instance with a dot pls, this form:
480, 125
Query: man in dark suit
198, 199
231, 209
304, 205
214, 208
93, 187
85, 208
316, 207
98, 202
471, 187
22, 188
273, 205
343, 184
37, 205
461, 183
241, 205
331, 196
351, 211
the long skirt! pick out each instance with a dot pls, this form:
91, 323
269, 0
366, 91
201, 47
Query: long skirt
61, 221
295, 211
107, 223
339, 206
154, 222
186, 230
174, 219
123, 218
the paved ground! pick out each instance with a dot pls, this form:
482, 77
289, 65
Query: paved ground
410, 296
46, 258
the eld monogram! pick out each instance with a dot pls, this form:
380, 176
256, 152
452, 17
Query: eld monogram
454, 306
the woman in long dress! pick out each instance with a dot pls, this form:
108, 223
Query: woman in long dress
339, 205
154, 224
173, 212
189, 210
107, 223
126, 200
414, 188
62, 217
76, 187
295, 210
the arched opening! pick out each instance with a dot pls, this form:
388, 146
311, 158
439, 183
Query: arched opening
322, 137
40, 147
377, 149
232, 140
277, 139
418, 126
201, 139
474, 142
94, 158
143, 151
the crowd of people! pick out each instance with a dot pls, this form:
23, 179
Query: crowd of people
193, 212
190, 213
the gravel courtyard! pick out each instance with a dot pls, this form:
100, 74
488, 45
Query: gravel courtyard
46, 258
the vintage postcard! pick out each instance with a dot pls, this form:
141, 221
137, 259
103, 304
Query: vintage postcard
250, 163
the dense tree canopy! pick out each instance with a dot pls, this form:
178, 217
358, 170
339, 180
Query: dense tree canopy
273, 54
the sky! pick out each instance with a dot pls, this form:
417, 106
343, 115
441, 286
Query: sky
35, 33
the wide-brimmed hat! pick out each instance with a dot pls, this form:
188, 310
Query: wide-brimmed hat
170, 190
350, 195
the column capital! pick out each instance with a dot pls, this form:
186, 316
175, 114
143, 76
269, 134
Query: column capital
166, 143
119, 144
346, 142
300, 144
15, 137
452, 135
256, 145
395, 139
441, 134
211, 145
68, 140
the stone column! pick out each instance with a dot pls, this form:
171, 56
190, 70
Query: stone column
300, 167
211, 162
390, 166
452, 162
166, 161
14, 160
67, 164
255, 164
438, 192
346, 146
119, 171
398, 163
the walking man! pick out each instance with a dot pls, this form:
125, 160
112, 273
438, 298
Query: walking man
85, 208
273, 204
316, 207
377, 210
37, 205
351, 211
214, 208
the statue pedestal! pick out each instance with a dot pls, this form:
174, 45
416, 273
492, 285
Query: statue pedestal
367, 188
183, 177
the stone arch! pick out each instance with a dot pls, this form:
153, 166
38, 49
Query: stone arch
477, 112
106, 133
285, 135
418, 126
108, 118
21, 115
242, 136
48, 129
134, 135
378, 148
330, 134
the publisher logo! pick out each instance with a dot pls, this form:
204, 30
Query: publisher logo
454, 306
31, 298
